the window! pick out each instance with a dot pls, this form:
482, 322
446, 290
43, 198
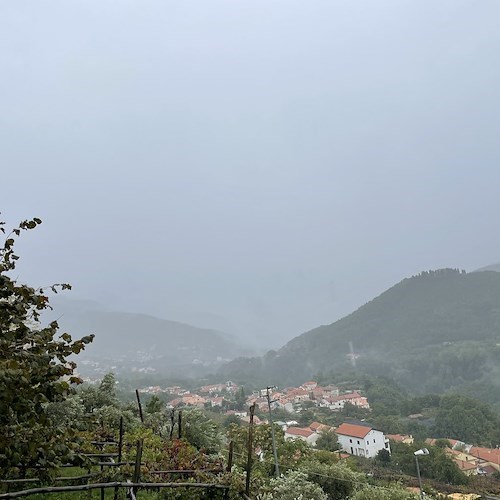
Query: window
350, 440
374, 440
358, 441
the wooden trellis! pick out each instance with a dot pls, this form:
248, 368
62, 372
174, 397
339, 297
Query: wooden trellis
99, 459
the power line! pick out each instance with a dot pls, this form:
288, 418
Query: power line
308, 472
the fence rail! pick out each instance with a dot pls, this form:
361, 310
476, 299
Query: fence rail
116, 484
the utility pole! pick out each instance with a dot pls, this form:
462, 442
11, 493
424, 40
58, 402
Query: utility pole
249, 451
275, 453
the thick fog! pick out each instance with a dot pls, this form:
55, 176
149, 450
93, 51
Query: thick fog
258, 166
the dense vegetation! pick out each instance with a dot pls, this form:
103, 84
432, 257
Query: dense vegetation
35, 371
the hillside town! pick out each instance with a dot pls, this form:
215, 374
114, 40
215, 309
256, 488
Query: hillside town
290, 399
355, 438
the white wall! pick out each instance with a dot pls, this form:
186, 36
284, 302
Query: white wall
368, 446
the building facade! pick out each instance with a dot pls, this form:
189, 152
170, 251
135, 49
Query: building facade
361, 440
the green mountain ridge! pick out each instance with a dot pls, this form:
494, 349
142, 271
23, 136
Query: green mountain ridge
436, 331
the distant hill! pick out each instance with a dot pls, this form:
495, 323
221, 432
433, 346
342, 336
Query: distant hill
432, 332
491, 267
127, 342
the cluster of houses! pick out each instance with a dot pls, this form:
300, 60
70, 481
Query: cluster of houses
355, 438
216, 395
358, 439
471, 460
292, 398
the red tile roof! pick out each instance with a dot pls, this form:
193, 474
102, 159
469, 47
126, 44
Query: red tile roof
397, 437
359, 431
315, 426
487, 454
299, 431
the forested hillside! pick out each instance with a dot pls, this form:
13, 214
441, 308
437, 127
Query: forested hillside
436, 331
138, 342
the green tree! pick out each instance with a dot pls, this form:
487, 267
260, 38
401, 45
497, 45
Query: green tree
230, 420
154, 405
34, 371
290, 452
67, 413
383, 457
201, 431
327, 440
240, 399
294, 486
437, 465
103, 410
377, 493
443, 468
337, 480
466, 419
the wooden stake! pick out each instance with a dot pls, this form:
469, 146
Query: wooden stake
230, 457
138, 458
180, 425
139, 405
120, 441
172, 423
120, 452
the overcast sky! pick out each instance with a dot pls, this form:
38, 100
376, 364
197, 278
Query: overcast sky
261, 166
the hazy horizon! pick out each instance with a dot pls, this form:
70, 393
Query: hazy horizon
258, 167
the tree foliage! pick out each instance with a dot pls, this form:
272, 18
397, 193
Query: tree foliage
294, 486
290, 452
201, 431
468, 420
437, 465
327, 440
337, 480
377, 493
34, 370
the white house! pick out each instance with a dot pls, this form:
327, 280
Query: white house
338, 402
305, 434
361, 440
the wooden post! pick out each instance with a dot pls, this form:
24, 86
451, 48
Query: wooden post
120, 452
230, 457
172, 423
249, 450
102, 489
139, 405
138, 459
120, 441
101, 447
180, 425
